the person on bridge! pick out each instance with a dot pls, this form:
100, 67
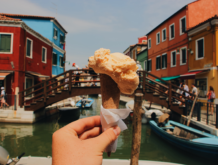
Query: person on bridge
81, 138
77, 74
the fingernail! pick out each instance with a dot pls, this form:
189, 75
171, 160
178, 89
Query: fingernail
117, 130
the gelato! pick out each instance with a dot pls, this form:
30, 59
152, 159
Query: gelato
121, 68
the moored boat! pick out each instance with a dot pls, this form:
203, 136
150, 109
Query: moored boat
147, 115
69, 114
188, 139
85, 103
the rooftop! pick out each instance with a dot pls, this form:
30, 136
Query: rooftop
8, 18
32, 16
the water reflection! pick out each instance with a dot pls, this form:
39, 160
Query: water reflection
36, 140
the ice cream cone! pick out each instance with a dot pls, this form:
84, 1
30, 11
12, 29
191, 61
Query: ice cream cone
110, 94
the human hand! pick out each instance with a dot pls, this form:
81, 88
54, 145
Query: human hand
81, 142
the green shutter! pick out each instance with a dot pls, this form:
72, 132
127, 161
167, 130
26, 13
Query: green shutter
28, 48
5, 42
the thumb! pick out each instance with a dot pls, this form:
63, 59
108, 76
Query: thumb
107, 137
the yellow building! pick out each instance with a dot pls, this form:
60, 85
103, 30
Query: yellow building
203, 57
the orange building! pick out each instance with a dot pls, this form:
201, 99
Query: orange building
203, 56
168, 42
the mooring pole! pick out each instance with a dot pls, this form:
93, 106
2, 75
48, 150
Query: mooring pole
136, 131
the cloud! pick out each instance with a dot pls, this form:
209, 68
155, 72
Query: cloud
70, 23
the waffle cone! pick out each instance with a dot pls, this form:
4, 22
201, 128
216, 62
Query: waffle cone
110, 92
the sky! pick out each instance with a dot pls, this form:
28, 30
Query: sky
95, 24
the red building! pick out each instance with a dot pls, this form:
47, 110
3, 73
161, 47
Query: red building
25, 56
168, 42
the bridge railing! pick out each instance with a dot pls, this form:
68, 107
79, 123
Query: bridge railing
63, 81
148, 82
88, 78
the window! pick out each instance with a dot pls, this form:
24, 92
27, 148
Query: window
182, 25
6, 41
143, 40
55, 35
29, 48
158, 38
29, 83
164, 61
54, 59
149, 65
201, 84
183, 56
158, 63
149, 43
173, 58
145, 65
44, 54
172, 31
61, 61
62, 39
199, 48
164, 35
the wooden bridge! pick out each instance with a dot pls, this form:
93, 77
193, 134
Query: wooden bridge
69, 84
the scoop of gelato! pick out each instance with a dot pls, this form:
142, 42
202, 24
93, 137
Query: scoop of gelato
121, 68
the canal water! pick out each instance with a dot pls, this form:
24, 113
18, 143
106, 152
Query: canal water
35, 140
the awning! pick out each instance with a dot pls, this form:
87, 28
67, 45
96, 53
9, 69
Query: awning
167, 78
42, 77
3, 75
190, 75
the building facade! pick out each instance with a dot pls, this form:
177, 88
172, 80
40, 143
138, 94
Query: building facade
133, 50
168, 42
25, 56
50, 28
203, 56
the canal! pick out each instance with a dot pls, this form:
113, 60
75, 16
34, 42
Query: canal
35, 140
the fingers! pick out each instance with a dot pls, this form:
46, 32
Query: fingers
83, 125
90, 133
106, 138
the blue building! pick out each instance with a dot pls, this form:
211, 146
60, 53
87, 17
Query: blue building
50, 28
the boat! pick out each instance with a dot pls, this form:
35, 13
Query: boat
188, 139
48, 161
147, 115
85, 103
70, 113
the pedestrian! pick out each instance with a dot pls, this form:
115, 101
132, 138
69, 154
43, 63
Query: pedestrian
210, 98
194, 91
77, 74
3, 98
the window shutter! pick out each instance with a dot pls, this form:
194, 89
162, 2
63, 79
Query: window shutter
150, 65
156, 63
200, 48
166, 60
172, 31
28, 48
183, 25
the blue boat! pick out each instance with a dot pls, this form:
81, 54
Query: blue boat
85, 103
188, 139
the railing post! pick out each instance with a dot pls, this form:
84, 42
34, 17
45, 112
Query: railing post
207, 113
143, 85
21, 99
170, 92
198, 111
15, 102
70, 80
216, 116
45, 92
